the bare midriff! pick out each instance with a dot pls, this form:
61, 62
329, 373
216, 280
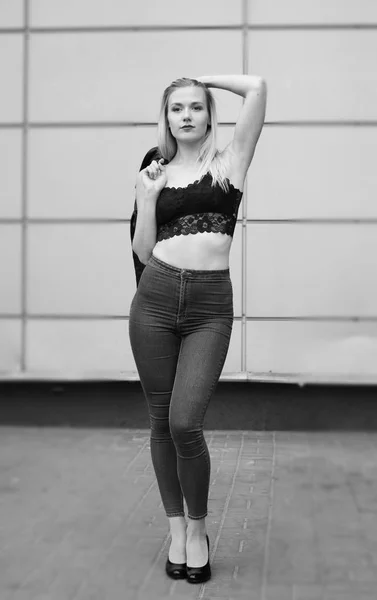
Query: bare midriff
201, 251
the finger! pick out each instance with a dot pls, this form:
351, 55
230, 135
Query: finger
150, 172
154, 167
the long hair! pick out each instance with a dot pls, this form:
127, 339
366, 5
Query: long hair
210, 159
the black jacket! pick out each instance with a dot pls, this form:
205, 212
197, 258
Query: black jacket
152, 154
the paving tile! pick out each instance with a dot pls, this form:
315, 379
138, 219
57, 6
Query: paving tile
278, 592
291, 516
307, 592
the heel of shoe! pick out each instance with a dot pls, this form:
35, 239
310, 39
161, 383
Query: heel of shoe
199, 574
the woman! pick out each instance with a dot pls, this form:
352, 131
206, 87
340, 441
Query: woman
181, 316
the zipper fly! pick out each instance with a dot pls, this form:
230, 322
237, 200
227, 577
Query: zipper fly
182, 291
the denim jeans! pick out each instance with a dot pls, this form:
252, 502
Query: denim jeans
180, 326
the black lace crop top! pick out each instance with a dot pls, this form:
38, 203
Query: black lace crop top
197, 208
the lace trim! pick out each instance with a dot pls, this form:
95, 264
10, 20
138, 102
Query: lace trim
198, 223
194, 183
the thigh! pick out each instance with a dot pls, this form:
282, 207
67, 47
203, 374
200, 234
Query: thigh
154, 340
156, 351
201, 360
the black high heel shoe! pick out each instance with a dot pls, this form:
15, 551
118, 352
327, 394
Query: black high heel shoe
199, 574
176, 570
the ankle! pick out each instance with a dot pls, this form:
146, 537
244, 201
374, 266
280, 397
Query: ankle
196, 528
177, 527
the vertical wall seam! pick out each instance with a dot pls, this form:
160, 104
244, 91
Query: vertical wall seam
245, 70
24, 159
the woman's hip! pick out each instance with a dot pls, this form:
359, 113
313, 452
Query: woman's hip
174, 293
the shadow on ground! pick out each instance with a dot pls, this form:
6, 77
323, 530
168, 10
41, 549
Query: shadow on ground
241, 405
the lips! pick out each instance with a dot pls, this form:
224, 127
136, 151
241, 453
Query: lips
187, 127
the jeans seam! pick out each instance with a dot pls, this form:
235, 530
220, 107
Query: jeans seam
196, 518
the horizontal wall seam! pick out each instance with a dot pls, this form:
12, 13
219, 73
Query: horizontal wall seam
197, 27
118, 124
91, 375
92, 124
103, 221
99, 317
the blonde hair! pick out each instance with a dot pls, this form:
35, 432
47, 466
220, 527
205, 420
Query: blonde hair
210, 159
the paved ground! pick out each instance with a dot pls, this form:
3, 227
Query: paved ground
292, 514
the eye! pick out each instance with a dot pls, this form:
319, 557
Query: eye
198, 108
175, 109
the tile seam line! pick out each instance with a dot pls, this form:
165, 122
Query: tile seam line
103, 317
114, 221
245, 70
114, 124
56, 29
225, 509
124, 524
127, 221
269, 524
153, 486
24, 190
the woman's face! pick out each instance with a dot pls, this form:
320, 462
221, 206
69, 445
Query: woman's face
188, 115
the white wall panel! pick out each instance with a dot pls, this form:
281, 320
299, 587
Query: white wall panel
311, 270
11, 64
235, 267
111, 76
11, 13
325, 74
276, 12
11, 173
54, 13
314, 349
87, 172
78, 347
10, 346
10, 269
314, 172
82, 269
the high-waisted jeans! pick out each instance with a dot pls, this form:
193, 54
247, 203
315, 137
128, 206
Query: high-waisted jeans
180, 326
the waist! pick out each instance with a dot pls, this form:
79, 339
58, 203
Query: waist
205, 251
194, 274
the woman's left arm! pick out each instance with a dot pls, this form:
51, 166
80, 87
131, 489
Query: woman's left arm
250, 121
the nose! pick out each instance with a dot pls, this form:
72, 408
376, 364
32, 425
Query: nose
186, 113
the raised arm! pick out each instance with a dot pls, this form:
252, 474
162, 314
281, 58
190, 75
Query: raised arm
250, 121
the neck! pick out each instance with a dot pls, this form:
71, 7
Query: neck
187, 155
